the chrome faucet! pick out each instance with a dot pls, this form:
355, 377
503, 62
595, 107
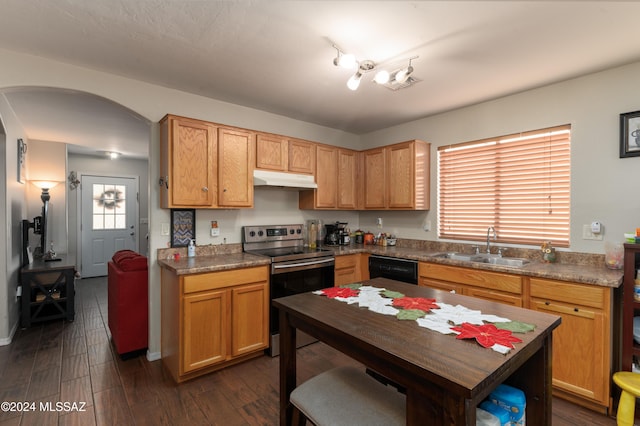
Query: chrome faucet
495, 237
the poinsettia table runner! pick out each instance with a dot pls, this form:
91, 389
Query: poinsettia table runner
490, 331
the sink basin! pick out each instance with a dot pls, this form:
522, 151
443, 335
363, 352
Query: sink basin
493, 259
459, 256
515, 262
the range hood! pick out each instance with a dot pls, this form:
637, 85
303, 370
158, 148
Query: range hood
283, 180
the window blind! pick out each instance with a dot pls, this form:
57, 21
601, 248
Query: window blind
519, 184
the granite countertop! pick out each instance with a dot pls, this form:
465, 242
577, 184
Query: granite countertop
596, 274
580, 268
211, 263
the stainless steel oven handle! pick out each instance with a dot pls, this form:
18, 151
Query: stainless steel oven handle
295, 265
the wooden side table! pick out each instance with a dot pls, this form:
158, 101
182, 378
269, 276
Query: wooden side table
48, 290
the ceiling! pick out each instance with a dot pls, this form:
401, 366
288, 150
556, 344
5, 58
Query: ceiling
277, 56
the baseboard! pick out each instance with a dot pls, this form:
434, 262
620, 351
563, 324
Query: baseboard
7, 340
153, 356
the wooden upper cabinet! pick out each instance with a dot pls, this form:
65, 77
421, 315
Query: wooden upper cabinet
272, 152
336, 177
236, 148
187, 163
347, 179
396, 177
375, 181
326, 177
302, 156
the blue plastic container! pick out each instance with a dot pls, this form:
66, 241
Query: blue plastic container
503, 416
511, 399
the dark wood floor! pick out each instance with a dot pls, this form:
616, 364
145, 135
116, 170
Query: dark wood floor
74, 362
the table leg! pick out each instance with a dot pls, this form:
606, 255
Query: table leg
287, 367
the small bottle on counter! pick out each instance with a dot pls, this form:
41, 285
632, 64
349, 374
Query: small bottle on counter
636, 287
313, 235
191, 249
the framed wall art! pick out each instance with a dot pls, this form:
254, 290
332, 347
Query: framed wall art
183, 227
630, 134
22, 161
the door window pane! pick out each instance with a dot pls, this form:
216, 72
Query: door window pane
109, 206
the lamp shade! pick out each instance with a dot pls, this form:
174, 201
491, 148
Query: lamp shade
45, 184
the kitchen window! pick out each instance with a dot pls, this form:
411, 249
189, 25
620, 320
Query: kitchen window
519, 184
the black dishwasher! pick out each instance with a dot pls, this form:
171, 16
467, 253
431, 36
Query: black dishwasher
393, 268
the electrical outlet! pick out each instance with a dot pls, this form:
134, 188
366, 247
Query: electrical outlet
587, 234
215, 229
165, 229
427, 225
379, 222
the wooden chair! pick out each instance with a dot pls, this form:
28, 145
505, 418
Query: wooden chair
630, 384
347, 396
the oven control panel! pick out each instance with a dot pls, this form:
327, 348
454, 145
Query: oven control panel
265, 233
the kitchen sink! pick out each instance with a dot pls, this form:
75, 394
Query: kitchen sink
493, 259
515, 262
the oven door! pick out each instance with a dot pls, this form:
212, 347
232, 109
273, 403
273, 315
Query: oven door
289, 278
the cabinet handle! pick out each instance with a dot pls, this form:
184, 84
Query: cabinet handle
205, 189
576, 310
547, 303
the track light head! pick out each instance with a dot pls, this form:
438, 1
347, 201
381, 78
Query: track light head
402, 75
354, 81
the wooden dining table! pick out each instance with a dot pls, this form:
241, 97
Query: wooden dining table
445, 378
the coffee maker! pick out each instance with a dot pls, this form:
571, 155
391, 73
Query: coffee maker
336, 234
331, 234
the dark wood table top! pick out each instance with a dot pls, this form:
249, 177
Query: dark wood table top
39, 265
462, 367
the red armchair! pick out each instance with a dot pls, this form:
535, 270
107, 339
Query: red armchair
128, 302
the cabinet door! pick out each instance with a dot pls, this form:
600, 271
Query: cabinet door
302, 157
190, 146
400, 176
326, 177
579, 350
205, 333
374, 179
235, 175
271, 152
249, 318
347, 179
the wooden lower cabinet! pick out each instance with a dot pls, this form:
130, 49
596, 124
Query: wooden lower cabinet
582, 342
487, 285
347, 269
213, 319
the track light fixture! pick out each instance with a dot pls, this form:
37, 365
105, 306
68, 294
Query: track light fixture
402, 75
394, 79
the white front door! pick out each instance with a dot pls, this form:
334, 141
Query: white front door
109, 211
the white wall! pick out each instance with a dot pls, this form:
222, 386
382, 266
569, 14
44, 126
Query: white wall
12, 212
603, 186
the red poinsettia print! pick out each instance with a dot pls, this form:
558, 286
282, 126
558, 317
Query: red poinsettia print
486, 335
421, 303
345, 292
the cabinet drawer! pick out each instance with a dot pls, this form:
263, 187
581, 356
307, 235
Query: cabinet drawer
213, 280
580, 294
484, 279
348, 261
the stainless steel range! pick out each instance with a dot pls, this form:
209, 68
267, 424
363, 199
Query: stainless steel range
294, 268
